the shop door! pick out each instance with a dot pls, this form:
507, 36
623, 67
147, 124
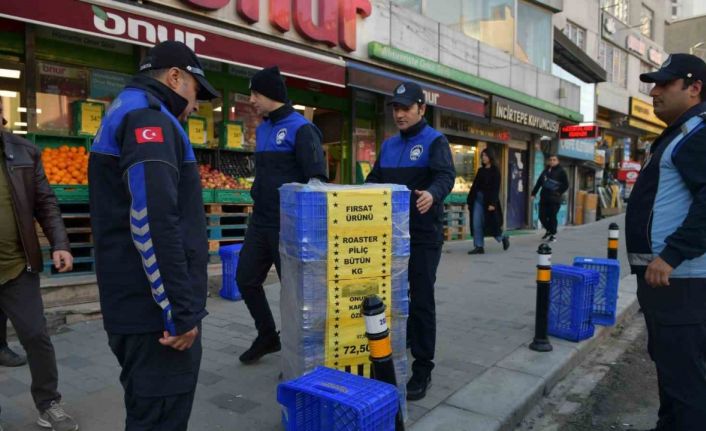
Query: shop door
517, 189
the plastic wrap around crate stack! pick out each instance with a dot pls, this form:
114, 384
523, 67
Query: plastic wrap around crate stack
571, 302
304, 252
330, 400
605, 298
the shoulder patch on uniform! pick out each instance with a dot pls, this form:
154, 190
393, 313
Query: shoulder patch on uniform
153, 135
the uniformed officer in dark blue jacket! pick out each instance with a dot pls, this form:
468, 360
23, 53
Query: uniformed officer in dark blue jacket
149, 230
420, 158
665, 228
288, 150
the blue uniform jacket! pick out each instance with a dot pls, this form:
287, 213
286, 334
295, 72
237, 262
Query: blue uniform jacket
419, 158
288, 150
666, 214
147, 215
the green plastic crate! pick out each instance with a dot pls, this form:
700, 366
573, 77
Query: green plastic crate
209, 195
70, 193
54, 141
456, 198
229, 196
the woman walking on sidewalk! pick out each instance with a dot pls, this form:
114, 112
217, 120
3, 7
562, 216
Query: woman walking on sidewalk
484, 205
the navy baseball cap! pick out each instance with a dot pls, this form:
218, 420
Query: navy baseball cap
176, 54
407, 94
678, 66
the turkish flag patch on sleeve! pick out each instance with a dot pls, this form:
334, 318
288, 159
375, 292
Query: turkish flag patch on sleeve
149, 134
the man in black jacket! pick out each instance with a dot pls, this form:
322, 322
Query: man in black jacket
665, 230
25, 195
420, 158
288, 150
553, 182
149, 230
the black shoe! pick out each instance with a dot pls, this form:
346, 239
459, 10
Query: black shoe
546, 236
417, 387
8, 358
552, 238
477, 250
506, 243
262, 345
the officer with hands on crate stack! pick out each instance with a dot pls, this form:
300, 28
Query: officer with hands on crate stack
288, 150
419, 158
149, 229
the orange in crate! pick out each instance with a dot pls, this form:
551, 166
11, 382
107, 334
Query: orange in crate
66, 165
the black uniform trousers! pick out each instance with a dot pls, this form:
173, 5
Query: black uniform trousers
21, 301
260, 250
547, 215
421, 324
676, 343
159, 381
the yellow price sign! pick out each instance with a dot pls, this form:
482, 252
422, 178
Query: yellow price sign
234, 135
359, 264
91, 117
197, 131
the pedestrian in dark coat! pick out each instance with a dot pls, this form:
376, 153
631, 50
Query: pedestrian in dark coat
486, 215
553, 182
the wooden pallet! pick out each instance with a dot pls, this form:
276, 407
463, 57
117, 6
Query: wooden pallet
452, 233
223, 209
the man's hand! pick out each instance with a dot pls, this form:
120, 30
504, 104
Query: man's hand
532, 196
658, 272
424, 201
179, 342
63, 261
491, 207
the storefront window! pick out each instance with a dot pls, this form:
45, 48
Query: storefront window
490, 21
59, 86
534, 35
465, 163
242, 110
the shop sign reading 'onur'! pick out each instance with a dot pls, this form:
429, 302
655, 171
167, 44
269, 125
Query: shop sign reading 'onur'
515, 113
335, 25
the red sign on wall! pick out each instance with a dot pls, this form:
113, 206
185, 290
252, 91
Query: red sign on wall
579, 132
337, 18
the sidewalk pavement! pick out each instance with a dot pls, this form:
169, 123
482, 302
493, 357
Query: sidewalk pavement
485, 377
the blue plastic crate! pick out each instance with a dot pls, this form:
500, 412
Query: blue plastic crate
571, 302
605, 299
331, 400
229, 258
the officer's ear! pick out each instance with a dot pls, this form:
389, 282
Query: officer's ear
172, 77
422, 108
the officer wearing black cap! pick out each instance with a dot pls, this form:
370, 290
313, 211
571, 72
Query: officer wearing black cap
666, 240
150, 240
288, 150
420, 158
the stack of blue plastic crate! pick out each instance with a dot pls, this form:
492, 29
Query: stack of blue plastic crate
605, 298
304, 252
571, 302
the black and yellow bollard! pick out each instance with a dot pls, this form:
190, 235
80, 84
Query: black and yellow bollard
613, 236
544, 277
383, 368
